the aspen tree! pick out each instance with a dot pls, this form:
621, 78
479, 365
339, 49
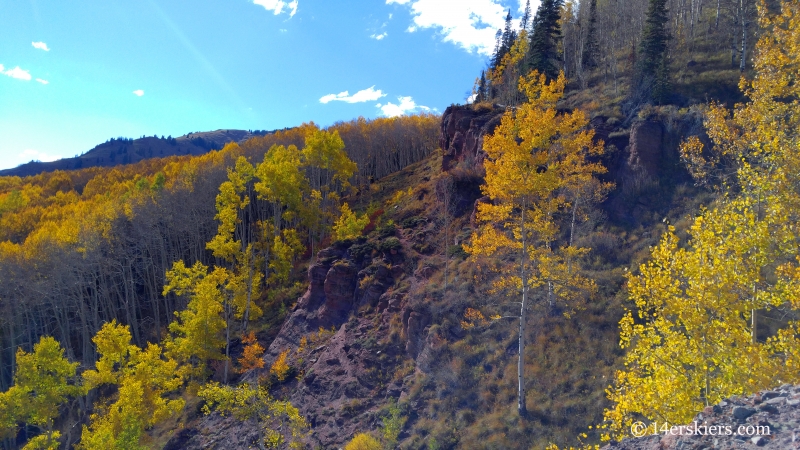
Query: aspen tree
198, 328
348, 225
534, 155
42, 384
143, 377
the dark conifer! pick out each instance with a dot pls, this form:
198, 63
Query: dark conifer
482, 95
508, 37
525, 21
543, 52
654, 37
661, 82
653, 65
496, 54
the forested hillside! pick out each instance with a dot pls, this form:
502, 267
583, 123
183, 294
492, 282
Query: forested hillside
83, 247
588, 244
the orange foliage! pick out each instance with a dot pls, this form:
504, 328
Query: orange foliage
252, 356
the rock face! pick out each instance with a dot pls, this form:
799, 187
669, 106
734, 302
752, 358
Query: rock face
463, 129
646, 147
768, 419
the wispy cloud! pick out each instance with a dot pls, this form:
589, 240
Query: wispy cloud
378, 37
198, 56
40, 46
471, 24
277, 6
138, 92
405, 105
17, 73
36, 155
42, 81
365, 95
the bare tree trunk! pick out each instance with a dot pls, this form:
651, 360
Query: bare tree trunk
227, 340
742, 61
522, 409
249, 289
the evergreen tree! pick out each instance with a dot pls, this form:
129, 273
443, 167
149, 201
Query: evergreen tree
507, 40
544, 55
661, 83
590, 46
497, 56
526, 16
653, 71
481, 94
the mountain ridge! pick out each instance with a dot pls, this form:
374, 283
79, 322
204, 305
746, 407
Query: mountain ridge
117, 151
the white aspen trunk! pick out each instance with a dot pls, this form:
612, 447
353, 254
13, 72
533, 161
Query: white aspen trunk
249, 290
521, 407
742, 61
227, 340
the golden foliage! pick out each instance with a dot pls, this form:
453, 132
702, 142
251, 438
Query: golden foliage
473, 317
535, 158
145, 378
363, 441
348, 225
280, 368
43, 381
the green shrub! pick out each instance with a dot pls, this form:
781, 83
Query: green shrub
390, 244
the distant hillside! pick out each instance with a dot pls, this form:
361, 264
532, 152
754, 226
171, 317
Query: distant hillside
126, 151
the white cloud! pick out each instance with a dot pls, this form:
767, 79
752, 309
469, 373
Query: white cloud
364, 95
17, 73
406, 105
276, 6
378, 37
42, 81
36, 155
471, 24
40, 46
138, 92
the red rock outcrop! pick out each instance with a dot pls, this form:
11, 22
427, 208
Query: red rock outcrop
646, 147
463, 129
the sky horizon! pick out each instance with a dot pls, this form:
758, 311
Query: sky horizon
73, 76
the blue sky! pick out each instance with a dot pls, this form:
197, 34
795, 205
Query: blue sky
73, 74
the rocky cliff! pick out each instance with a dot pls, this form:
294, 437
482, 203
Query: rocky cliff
463, 129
